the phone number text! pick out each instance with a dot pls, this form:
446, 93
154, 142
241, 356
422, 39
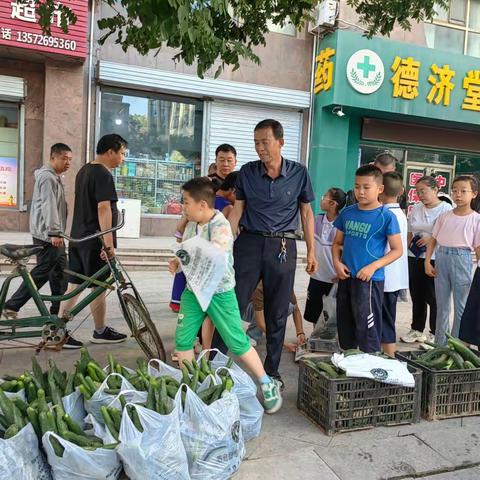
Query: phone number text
46, 41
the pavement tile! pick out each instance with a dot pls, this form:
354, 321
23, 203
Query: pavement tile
382, 458
459, 445
467, 474
304, 464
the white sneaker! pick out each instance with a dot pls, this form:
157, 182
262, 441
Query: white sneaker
413, 336
430, 337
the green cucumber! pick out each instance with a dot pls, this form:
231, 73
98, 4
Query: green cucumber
109, 422
463, 350
11, 431
81, 440
72, 425
57, 446
33, 418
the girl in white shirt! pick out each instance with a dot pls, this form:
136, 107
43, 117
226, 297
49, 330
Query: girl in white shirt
422, 287
321, 282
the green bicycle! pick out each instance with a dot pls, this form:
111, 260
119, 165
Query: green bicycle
51, 329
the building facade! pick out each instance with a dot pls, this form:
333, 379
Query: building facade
174, 120
42, 83
416, 95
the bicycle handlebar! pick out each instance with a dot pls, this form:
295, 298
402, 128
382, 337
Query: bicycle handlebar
119, 225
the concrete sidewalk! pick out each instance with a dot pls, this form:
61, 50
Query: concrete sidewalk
290, 446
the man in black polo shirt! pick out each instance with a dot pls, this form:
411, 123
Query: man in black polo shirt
270, 193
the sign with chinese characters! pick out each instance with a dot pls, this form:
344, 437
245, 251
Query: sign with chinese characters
383, 75
8, 182
365, 71
19, 27
415, 173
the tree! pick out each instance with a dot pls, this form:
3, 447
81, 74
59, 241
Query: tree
208, 31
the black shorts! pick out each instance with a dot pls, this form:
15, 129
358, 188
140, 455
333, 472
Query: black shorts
359, 314
389, 315
85, 261
314, 306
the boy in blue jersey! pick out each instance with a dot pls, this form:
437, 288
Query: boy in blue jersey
359, 258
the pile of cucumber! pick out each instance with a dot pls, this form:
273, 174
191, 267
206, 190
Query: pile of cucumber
455, 356
43, 392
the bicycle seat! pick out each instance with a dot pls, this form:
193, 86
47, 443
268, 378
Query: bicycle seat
18, 252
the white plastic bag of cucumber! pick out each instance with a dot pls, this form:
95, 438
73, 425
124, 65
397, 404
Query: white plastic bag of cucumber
138, 421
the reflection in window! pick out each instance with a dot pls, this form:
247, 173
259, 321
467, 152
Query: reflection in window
444, 38
165, 138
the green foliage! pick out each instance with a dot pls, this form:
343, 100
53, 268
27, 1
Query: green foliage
380, 16
202, 31
208, 31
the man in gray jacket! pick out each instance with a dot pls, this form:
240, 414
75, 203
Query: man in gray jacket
48, 213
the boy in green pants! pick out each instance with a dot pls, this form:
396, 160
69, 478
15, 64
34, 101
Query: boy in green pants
211, 225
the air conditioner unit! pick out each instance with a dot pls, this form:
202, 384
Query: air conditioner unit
324, 16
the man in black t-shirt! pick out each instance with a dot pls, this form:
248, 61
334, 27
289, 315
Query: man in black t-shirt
95, 210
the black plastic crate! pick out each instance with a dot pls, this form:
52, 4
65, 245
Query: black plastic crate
322, 345
447, 393
345, 404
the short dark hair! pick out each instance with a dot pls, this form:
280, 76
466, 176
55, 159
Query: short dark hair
385, 159
229, 182
275, 125
370, 171
111, 141
225, 147
339, 196
201, 188
59, 148
392, 184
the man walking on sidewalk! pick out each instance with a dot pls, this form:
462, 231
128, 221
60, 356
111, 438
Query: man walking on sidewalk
95, 210
269, 195
48, 214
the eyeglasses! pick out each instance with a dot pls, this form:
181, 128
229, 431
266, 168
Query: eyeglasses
326, 197
461, 192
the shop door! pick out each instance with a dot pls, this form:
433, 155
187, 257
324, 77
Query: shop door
443, 175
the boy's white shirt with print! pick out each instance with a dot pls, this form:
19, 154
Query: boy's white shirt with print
210, 251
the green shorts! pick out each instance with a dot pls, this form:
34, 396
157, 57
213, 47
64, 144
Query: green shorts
225, 315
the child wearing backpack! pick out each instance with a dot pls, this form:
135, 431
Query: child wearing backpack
321, 282
457, 234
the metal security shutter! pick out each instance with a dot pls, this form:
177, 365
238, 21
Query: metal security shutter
12, 88
234, 123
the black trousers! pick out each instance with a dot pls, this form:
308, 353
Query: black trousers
256, 258
470, 325
359, 314
51, 262
422, 291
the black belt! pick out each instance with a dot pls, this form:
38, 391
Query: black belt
290, 234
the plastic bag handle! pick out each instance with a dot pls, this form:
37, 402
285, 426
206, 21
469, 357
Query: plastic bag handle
208, 350
157, 360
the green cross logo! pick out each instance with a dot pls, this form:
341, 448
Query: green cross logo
366, 67
365, 71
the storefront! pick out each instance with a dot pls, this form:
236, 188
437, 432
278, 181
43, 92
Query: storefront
174, 122
422, 105
41, 101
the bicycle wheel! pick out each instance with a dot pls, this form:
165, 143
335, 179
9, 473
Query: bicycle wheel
142, 327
